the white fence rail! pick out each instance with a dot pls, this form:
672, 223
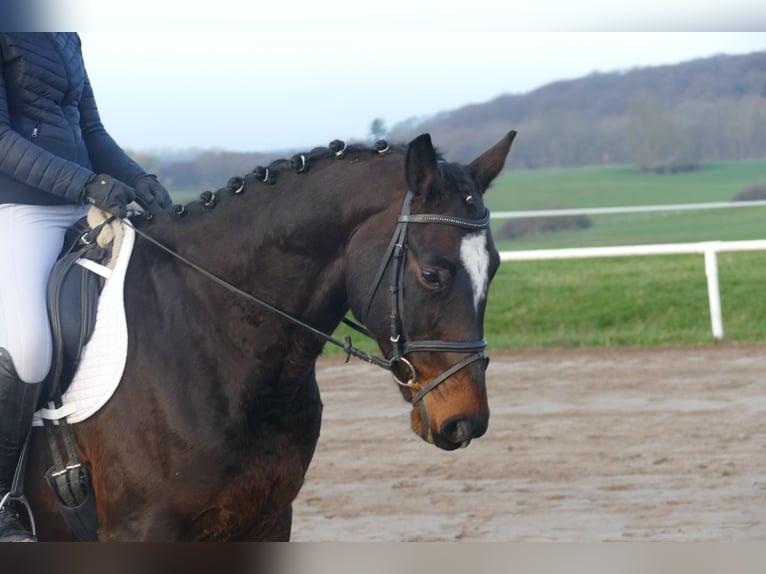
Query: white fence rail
709, 249
628, 209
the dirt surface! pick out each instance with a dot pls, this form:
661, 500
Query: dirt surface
628, 444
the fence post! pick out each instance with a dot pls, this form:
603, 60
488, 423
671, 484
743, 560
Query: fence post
713, 292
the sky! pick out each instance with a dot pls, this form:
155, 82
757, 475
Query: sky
283, 76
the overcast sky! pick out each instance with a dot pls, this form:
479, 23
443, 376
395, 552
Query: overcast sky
295, 75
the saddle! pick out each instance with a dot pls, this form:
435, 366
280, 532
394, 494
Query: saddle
77, 279
73, 290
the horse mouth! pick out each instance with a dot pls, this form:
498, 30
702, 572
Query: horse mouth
450, 446
457, 433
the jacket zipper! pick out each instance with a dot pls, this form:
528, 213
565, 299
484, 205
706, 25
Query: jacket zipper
34, 133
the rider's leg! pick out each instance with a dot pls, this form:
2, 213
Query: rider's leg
17, 404
31, 238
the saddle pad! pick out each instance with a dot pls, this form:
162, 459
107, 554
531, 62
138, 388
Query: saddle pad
104, 356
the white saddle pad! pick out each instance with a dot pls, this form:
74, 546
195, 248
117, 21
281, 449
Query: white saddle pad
104, 356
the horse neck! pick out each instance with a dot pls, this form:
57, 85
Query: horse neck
286, 243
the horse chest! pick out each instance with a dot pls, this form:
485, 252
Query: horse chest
252, 503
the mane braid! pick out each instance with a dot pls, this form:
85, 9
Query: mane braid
210, 199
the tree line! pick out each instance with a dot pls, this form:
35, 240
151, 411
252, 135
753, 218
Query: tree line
663, 119
705, 110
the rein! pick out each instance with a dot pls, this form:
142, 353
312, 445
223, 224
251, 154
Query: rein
346, 344
393, 254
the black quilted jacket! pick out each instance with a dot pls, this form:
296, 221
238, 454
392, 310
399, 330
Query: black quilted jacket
52, 140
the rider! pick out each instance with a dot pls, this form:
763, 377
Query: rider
55, 158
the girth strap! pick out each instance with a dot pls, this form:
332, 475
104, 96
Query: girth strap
65, 478
71, 485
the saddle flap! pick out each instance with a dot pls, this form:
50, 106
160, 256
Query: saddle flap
72, 300
90, 332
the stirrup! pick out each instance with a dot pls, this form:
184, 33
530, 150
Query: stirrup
16, 493
22, 500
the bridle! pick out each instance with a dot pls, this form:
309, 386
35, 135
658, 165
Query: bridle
394, 256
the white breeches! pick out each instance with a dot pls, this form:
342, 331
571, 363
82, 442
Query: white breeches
31, 237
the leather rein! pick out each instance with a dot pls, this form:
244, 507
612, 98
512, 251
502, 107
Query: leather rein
394, 254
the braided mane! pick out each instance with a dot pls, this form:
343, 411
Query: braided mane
300, 163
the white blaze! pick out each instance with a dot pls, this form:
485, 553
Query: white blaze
475, 257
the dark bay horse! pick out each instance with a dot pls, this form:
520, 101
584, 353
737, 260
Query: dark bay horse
216, 419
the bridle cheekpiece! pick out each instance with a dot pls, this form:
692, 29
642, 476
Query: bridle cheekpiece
394, 255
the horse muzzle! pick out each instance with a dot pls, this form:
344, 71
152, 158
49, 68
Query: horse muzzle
458, 412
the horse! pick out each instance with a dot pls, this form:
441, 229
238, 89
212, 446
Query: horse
231, 299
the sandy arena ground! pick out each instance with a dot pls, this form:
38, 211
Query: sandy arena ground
614, 444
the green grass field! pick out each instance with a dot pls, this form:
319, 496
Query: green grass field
652, 300
610, 186
618, 185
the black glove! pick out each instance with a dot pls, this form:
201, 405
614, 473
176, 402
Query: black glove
109, 194
151, 195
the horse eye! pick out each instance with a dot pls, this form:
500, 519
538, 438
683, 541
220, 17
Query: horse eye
433, 277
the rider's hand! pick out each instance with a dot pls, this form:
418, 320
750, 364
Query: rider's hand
151, 195
109, 194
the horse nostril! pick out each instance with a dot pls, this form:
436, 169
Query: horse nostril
457, 431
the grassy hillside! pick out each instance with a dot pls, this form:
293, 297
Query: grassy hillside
704, 110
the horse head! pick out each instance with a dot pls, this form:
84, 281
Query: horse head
426, 303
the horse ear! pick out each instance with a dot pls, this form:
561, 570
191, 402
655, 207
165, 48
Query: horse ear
420, 166
488, 165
